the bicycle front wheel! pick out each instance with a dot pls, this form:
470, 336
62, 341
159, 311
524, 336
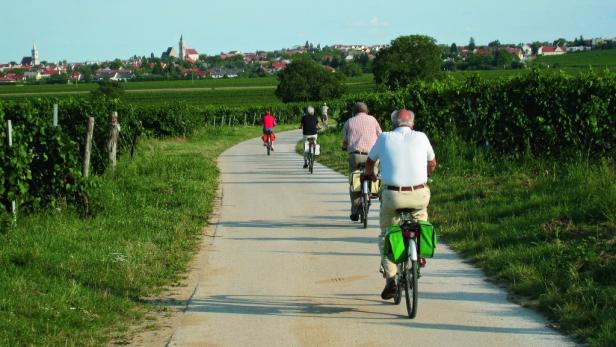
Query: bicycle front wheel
411, 289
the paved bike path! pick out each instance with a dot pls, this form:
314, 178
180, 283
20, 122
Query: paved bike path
287, 268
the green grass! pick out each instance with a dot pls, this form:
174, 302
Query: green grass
230, 92
598, 59
546, 229
68, 280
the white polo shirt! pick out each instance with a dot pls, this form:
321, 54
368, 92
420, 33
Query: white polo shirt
404, 154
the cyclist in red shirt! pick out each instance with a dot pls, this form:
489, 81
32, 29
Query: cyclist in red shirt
269, 122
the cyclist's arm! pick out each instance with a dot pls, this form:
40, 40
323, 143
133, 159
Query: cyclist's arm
345, 137
431, 166
370, 168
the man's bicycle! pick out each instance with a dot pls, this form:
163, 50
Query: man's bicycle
408, 268
311, 153
268, 143
366, 196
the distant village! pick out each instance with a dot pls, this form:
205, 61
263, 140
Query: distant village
187, 63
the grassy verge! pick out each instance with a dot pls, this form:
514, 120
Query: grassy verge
66, 280
545, 229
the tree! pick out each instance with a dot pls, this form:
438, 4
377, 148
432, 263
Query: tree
560, 42
364, 61
471, 44
116, 64
503, 59
494, 44
61, 78
306, 80
408, 58
453, 50
350, 68
535, 47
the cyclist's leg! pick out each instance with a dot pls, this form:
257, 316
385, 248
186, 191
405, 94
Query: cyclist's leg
387, 217
418, 200
354, 160
306, 149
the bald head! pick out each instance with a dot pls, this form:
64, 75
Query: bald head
403, 117
360, 107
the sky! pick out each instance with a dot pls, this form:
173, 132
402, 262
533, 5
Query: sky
82, 30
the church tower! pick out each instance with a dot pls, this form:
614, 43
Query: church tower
182, 48
35, 55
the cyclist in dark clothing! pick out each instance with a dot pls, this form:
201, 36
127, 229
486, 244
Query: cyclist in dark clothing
310, 126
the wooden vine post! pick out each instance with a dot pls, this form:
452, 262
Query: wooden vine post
86, 157
9, 135
55, 115
113, 141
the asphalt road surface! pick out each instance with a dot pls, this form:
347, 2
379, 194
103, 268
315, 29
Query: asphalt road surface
286, 267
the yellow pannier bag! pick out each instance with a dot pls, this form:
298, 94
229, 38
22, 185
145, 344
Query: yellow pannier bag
355, 183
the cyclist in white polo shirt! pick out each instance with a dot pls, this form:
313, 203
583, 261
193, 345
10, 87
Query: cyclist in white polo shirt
406, 159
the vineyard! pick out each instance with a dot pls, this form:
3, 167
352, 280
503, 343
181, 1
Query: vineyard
44, 165
541, 112
549, 117
206, 92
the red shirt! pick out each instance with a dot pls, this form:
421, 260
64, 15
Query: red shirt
268, 121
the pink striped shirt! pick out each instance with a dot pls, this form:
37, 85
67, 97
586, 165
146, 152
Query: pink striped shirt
360, 132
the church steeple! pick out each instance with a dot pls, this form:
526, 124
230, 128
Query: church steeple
35, 55
182, 51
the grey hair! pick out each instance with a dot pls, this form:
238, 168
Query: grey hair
397, 123
360, 107
310, 110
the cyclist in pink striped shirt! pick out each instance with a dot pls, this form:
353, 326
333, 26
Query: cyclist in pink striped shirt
360, 133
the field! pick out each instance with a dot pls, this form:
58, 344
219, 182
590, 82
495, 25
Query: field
571, 63
252, 91
598, 59
230, 92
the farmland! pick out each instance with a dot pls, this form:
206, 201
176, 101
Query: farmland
149, 210
229, 92
597, 59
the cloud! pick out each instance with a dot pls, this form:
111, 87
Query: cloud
372, 23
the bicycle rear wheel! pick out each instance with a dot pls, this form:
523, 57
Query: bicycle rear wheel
311, 159
411, 289
364, 209
399, 281
269, 145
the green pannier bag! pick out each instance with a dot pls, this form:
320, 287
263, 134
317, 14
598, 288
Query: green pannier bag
427, 239
395, 250
393, 247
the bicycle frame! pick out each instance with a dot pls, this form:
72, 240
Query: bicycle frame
410, 232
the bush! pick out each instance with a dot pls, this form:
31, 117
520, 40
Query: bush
109, 89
